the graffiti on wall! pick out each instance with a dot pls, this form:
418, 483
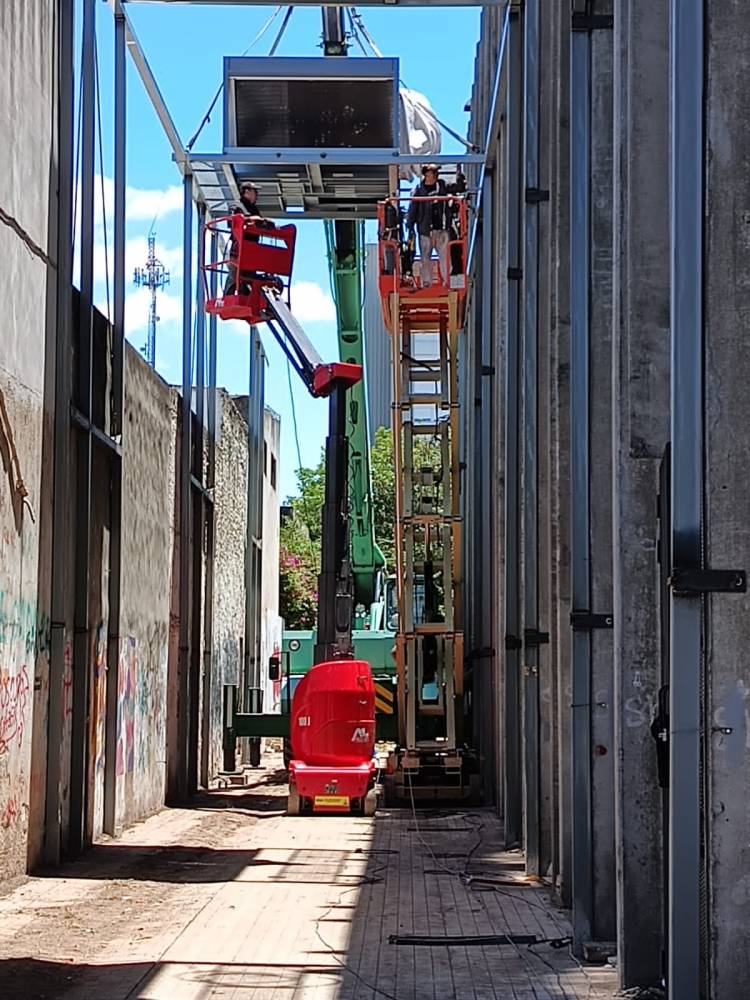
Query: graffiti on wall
67, 680
9, 813
14, 697
126, 695
100, 697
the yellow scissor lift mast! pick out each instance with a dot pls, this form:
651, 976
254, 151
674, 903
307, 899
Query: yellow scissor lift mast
424, 320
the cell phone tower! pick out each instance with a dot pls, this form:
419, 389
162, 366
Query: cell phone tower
153, 276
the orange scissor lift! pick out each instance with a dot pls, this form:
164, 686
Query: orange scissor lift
424, 319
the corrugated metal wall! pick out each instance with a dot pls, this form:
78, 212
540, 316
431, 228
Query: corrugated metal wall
377, 349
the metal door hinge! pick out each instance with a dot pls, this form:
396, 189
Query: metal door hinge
515, 274
583, 621
513, 642
692, 580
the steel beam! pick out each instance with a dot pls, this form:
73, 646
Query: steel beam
115, 431
484, 637
513, 621
180, 790
495, 117
84, 399
208, 614
580, 150
61, 489
335, 3
152, 89
241, 155
687, 83
530, 439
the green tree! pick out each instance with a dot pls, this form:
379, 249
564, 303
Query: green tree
300, 533
384, 494
298, 574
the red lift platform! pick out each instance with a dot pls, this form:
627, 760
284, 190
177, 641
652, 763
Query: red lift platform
257, 269
333, 740
401, 273
258, 256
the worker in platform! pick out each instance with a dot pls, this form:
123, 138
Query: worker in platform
248, 207
433, 219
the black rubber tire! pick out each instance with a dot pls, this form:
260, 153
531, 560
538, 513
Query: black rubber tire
255, 752
287, 752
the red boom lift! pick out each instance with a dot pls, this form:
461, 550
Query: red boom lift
333, 710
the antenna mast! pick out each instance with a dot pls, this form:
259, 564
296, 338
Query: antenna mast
153, 276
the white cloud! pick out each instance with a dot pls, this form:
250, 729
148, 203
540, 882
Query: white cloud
311, 304
145, 205
141, 204
137, 303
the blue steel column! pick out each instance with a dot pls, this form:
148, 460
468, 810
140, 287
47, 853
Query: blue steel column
485, 554
511, 737
116, 429
530, 440
580, 120
195, 685
686, 58
183, 708
61, 489
84, 399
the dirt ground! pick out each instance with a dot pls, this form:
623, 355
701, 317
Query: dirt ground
232, 898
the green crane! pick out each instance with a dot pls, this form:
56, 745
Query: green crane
345, 241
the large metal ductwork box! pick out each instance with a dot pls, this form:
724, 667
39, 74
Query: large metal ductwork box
315, 135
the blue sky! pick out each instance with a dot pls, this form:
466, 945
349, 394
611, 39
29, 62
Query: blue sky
185, 45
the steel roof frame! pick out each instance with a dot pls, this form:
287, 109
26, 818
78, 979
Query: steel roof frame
216, 168
329, 3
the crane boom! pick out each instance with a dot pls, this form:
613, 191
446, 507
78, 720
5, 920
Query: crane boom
346, 253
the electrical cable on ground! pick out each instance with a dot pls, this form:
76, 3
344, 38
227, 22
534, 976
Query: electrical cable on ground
465, 878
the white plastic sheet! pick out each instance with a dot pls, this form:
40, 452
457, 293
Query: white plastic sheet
420, 132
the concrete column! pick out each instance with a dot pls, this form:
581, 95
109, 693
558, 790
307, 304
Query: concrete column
640, 432
725, 895
600, 489
548, 70
559, 320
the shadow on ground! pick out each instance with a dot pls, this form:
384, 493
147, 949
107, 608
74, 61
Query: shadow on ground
36, 979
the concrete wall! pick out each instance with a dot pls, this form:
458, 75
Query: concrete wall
725, 726
149, 442
270, 623
27, 120
229, 584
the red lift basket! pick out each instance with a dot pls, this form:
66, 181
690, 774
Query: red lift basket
261, 256
333, 738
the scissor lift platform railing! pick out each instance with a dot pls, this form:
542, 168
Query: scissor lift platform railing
429, 644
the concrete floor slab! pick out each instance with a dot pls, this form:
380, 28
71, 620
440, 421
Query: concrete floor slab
233, 899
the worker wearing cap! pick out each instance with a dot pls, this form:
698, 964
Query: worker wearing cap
248, 207
432, 219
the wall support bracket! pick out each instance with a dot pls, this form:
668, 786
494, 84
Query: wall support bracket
584, 621
692, 580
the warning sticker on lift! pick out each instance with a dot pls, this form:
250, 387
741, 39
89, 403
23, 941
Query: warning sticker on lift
331, 802
384, 698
